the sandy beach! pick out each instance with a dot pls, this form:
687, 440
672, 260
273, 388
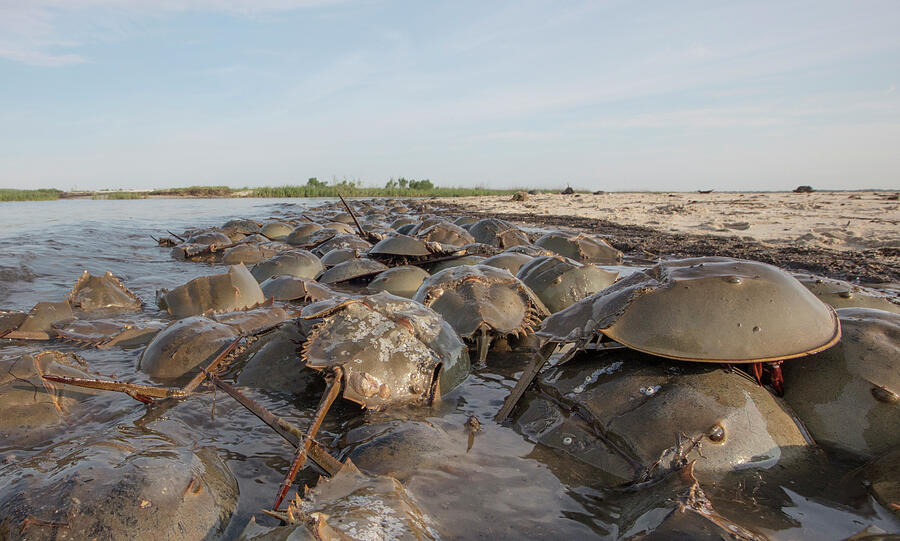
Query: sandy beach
853, 235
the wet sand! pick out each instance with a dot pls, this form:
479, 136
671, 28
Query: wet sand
849, 235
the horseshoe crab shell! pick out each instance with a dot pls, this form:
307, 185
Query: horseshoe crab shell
644, 413
498, 233
509, 261
343, 241
233, 290
102, 293
400, 245
840, 294
350, 505
561, 282
299, 263
350, 270
291, 288
185, 345
338, 255
456, 262
849, 395
391, 350
580, 247
123, 488
276, 230
402, 281
711, 309
247, 253
301, 233
482, 299
446, 233
38, 324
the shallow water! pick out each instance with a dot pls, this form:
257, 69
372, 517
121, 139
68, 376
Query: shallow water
495, 484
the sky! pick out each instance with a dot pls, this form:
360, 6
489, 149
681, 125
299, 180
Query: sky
599, 95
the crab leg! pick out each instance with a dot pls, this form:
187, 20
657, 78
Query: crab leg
776, 377
288, 431
331, 393
537, 361
213, 366
138, 392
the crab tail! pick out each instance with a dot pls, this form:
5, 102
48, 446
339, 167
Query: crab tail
537, 361
483, 343
331, 393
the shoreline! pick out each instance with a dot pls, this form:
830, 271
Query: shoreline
799, 232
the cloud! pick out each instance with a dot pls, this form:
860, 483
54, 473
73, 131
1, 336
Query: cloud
31, 30
38, 58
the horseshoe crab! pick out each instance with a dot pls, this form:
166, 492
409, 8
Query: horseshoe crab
343, 241
38, 323
498, 233
401, 281
239, 228
299, 263
106, 333
291, 288
561, 282
338, 255
350, 505
761, 314
635, 415
105, 292
352, 269
276, 230
479, 301
383, 351
247, 253
580, 247
10, 321
208, 237
255, 320
123, 488
446, 233
184, 345
27, 401
456, 262
840, 294
847, 396
233, 290
301, 233
885, 482
508, 261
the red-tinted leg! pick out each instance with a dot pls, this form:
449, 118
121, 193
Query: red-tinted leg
776, 377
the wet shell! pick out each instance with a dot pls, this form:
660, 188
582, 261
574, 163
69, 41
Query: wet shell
847, 396
456, 262
704, 309
291, 288
338, 255
392, 350
509, 261
185, 345
299, 263
276, 230
343, 241
497, 233
561, 282
401, 245
38, 324
659, 413
102, 293
209, 237
351, 270
580, 247
300, 234
472, 297
840, 294
446, 233
402, 281
247, 253
233, 290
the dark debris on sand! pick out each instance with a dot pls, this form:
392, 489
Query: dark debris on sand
881, 265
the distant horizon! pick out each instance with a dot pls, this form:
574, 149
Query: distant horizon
594, 94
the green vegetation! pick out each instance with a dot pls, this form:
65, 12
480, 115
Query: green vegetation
401, 187
29, 195
196, 191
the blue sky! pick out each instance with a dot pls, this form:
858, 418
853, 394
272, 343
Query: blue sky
598, 95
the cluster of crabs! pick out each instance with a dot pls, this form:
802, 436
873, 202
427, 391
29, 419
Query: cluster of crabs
674, 374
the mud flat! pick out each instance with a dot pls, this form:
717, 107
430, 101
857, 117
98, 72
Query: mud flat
850, 235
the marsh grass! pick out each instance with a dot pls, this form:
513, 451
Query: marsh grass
29, 195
